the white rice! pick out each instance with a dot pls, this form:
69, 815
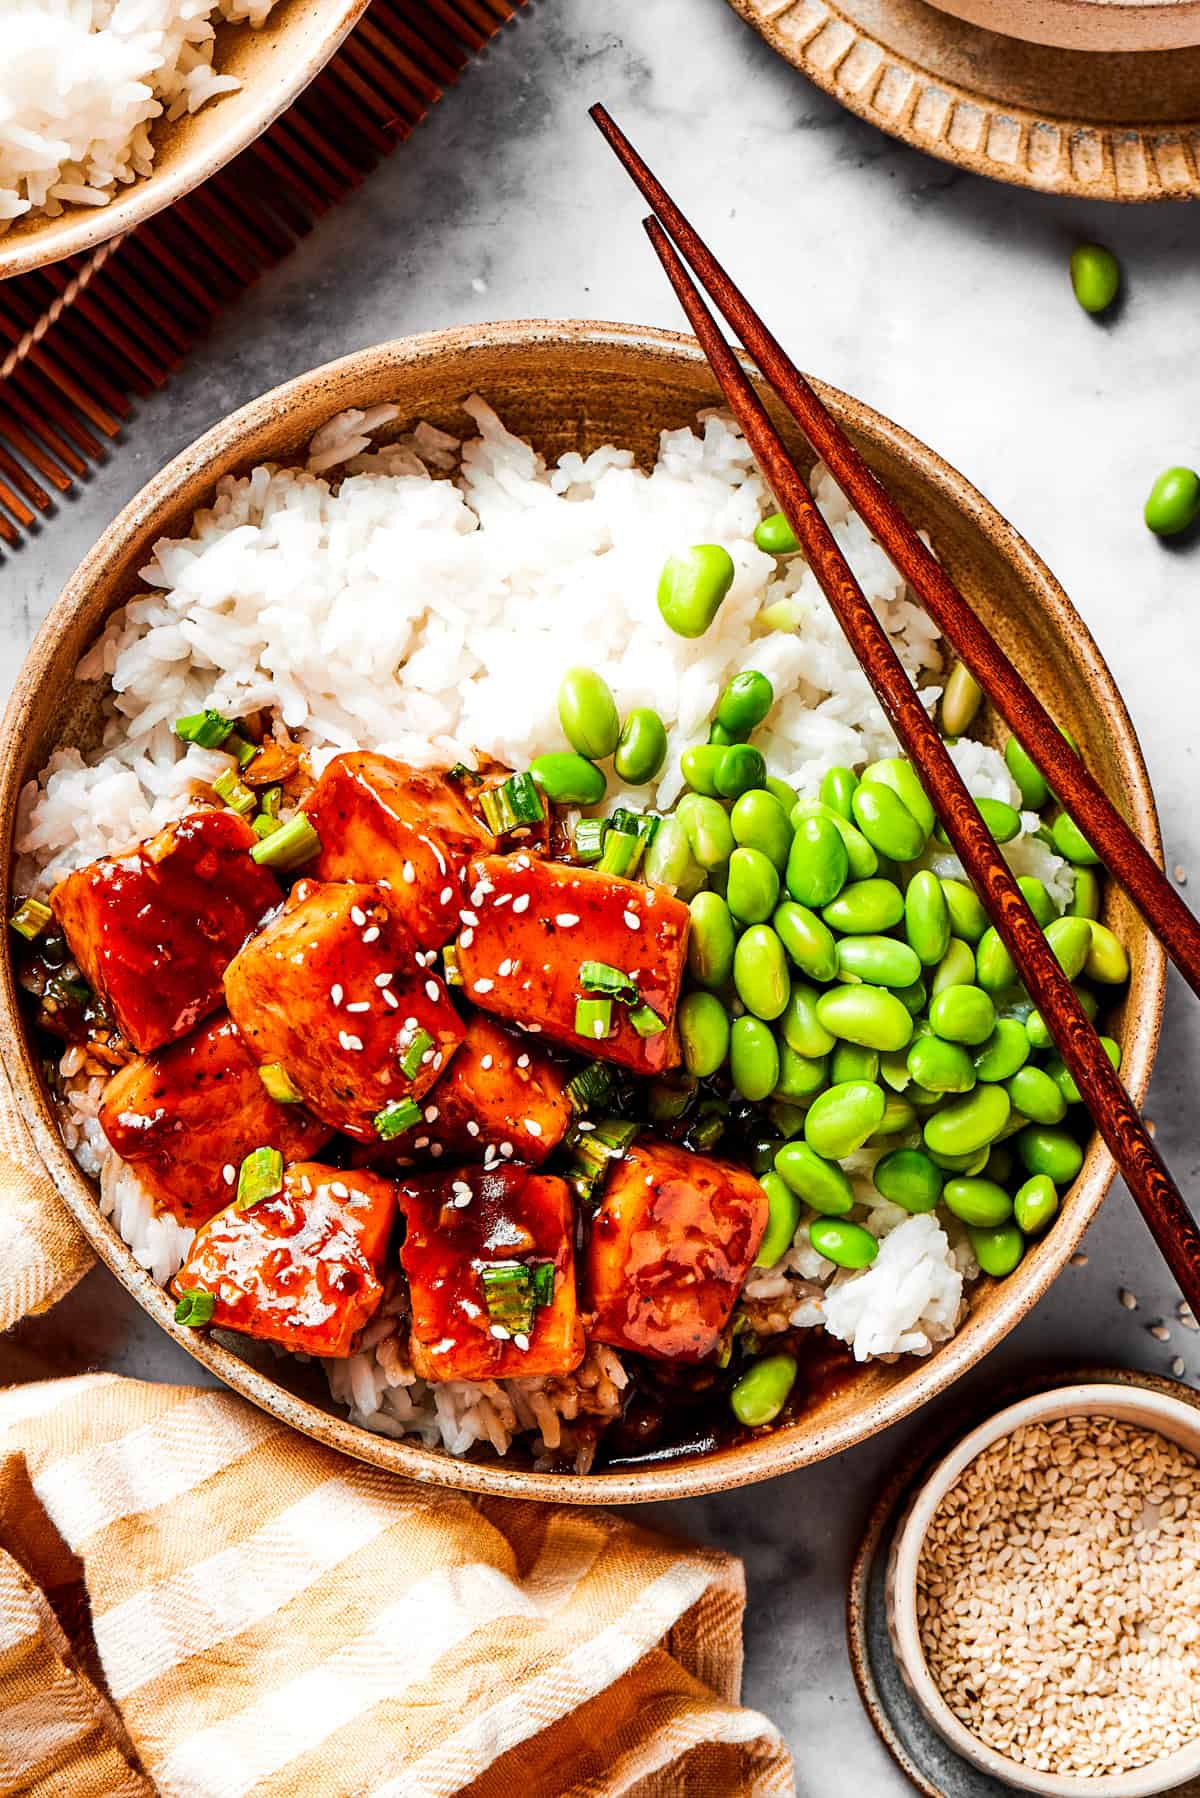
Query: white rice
432, 618
81, 82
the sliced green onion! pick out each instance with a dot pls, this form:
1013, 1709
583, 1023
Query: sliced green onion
622, 852
259, 1177
508, 1295
30, 919
543, 1283
265, 826
207, 728
235, 793
600, 977
195, 1307
708, 1128
646, 1020
275, 1078
593, 1018
396, 1117
414, 1055
270, 800
642, 824
460, 771
243, 752
451, 972
286, 848
589, 839
515, 802
593, 1151
592, 1085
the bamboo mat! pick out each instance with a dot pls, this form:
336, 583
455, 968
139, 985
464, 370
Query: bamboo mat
82, 339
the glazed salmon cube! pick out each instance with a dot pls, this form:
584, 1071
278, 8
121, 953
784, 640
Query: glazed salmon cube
532, 926
501, 1098
480, 1248
185, 1114
335, 990
411, 828
154, 929
671, 1244
304, 1267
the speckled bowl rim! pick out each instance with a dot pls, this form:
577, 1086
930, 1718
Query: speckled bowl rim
1175, 1418
281, 80
759, 1458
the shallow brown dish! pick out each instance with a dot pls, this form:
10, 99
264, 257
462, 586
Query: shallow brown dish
274, 64
574, 386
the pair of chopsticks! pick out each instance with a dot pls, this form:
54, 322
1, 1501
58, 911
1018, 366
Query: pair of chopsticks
1112, 1111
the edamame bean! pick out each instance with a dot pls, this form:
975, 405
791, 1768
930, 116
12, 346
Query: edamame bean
1173, 502
969, 1165
1002, 820
759, 1395
1035, 1204
783, 1216
775, 535
807, 939
1029, 778
940, 1067
968, 1124
758, 821
837, 791
642, 747
1000, 1163
1054, 1153
745, 703
741, 767
568, 779
788, 1119
961, 699
1063, 1078
588, 713
879, 960
703, 1033
845, 1244
898, 1116
711, 940
1035, 1025
909, 1178
1070, 842
779, 789
893, 1070
801, 1028
817, 863
1107, 960
886, 822
820, 1183
865, 908
800, 1077
699, 765
760, 973
753, 1059
1037, 899
719, 735
669, 861
977, 1201
752, 890
709, 835
850, 1061
962, 1014
840, 1119
914, 997
1004, 1053
997, 1251
968, 919
902, 778
863, 860
692, 586
1086, 898
926, 918
994, 966
1070, 939
1095, 276
956, 968
867, 1015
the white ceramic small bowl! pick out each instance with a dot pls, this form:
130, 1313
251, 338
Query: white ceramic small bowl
1175, 1418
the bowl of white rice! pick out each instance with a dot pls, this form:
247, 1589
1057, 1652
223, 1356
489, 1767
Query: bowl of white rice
110, 112
401, 551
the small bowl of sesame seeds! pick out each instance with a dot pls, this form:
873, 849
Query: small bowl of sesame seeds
1043, 1593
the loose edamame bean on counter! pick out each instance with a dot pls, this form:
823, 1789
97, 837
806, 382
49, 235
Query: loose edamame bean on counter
588, 714
1173, 502
1095, 276
692, 586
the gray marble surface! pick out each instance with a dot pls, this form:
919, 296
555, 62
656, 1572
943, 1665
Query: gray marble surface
940, 299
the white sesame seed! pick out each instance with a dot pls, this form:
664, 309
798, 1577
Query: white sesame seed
372, 935
523, 861
567, 919
599, 1029
505, 968
339, 1189
445, 896
472, 1127
533, 1127
349, 1042
500, 1333
384, 979
229, 1173
532, 1029
432, 990
461, 1202
360, 1005
521, 1341
486, 1062
506, 1148
483, 986
1079, 1259
468, 917
522, 1061
1127, 1298
502, 899
335, 993
431, 1114
1177, 1367
408, 873
389, 998
422, 1142
1159, 1332
435, 1149
632, 919
521, 902
357, 915
410, 1023
479, 894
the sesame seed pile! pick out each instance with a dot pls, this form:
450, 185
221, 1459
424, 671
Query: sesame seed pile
1058, 1596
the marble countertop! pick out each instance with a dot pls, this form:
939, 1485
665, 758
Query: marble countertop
939, 298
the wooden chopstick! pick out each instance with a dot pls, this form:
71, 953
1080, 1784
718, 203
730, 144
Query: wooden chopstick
1111, 1108
1121, 850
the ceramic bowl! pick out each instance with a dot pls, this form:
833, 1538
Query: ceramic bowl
573, 386
1172, 1417
1101, 25
274, 64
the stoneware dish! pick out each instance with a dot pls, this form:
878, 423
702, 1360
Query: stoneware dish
1099, 123
274, 64
1087, 24
1153, 1410
573, 386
